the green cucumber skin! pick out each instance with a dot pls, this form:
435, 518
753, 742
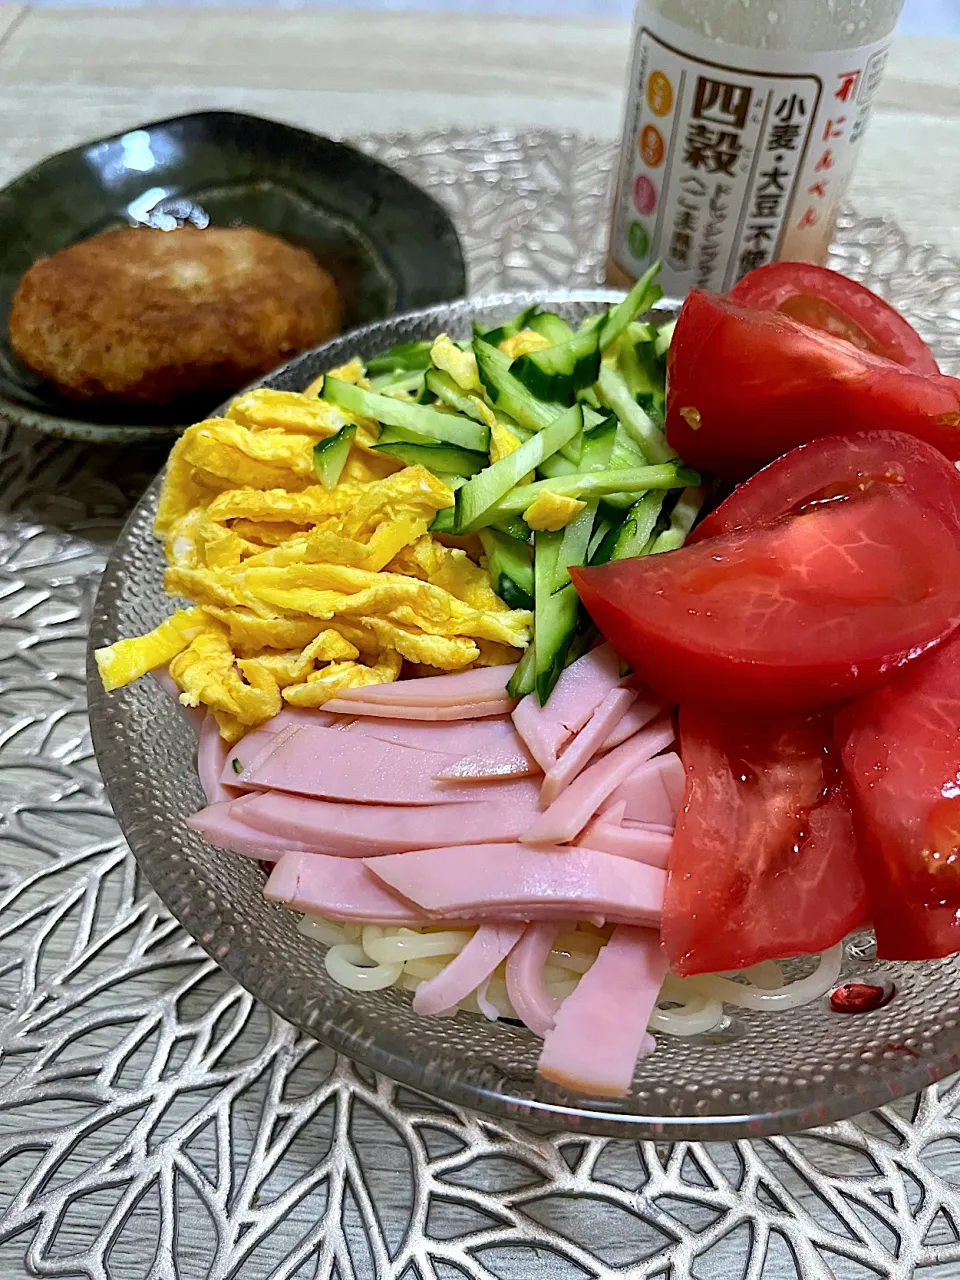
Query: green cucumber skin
330, 455
410, 357
437, 457
426, 425
523, 679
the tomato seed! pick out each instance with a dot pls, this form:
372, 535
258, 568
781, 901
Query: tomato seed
860, 997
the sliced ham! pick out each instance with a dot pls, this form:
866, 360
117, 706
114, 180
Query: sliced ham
608, 834
222, 825
333, 765
578, 754
646, 708
650, 794
526, 984
491, 944
484, 684
514, 882
338, 888
462, 711
212, 756
493, 743
575, 806
365, 831
600, 1030
577, 694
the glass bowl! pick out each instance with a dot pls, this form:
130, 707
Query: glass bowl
760, 1073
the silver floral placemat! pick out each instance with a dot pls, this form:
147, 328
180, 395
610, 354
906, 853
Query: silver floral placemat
155, 1121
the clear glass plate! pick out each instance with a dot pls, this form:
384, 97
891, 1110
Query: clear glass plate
760, 1073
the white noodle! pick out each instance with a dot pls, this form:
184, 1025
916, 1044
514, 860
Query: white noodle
373, 957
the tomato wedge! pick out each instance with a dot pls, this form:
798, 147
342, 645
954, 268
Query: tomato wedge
815, 609
827, 300
763, 862
901, 753
745, 386
833, 467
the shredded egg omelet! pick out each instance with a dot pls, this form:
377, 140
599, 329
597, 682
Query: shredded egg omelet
298, 591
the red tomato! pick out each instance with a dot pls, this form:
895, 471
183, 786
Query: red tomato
901, 752
837, 466
745, 386
815, 609
827, 300
763, 863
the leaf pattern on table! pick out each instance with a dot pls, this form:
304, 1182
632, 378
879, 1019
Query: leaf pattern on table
156, 1121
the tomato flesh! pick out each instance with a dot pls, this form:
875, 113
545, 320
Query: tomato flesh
827, 300
901, 754
819, 607
763, 863
831, 467
745, 386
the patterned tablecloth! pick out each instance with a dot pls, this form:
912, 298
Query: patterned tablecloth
155, 1121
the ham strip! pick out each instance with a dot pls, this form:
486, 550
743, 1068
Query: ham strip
212, 757
575, 806
333, 765
470, 969
338, 888
645, 709
608, 834
222, 825
366, 831
579, 691
462, 711
513, 882
526, 985
601, 1029
649, 794
483, 684
587, 743
506, 760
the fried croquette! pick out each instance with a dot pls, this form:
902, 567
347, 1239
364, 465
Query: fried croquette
138, 316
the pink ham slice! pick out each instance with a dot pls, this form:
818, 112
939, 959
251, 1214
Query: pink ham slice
334, 765
645, 709
338, 888
526, 986
608, 834
467, 971
365, 831
462, 711
222, 825
601, 1029
654, 792
490, 748
575, 806
484, 684
579, 691
212, 757
578, 754
514, 882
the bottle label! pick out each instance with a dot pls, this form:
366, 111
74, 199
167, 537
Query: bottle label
734, 157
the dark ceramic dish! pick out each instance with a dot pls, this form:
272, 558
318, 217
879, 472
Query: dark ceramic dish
390, 246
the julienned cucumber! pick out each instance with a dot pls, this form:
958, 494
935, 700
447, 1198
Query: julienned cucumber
511, 572
549, 325
637, 528
408, 356
509, 329
508, 393
423, 424
641, 297
524, 678
596, 484
330, 455
641, 427
447, 391
442, 458
557, 604
558, 373
486, 489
